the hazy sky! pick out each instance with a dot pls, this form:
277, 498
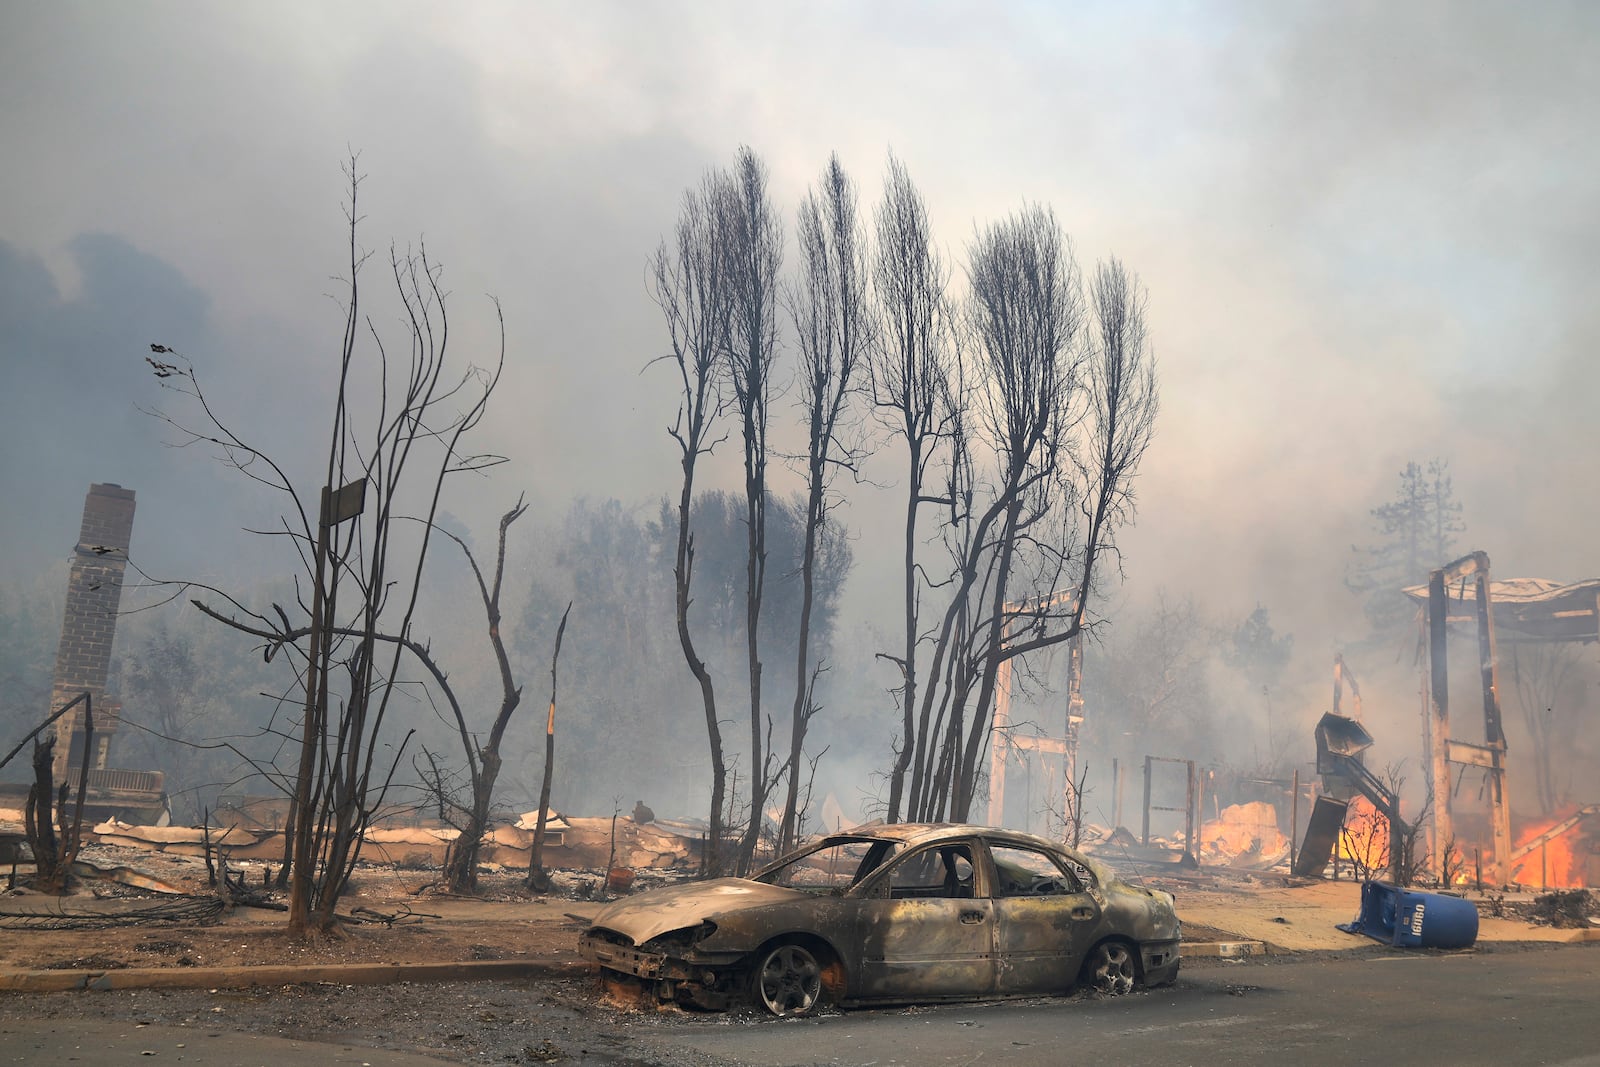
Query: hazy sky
1367, 231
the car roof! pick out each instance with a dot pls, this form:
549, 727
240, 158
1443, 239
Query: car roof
912, 834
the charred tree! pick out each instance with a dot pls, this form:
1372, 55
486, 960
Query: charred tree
830, 312
483, 761
1039, 479
53, 856
690, 283
909, 381
398, 430
38, 816
755, 255
537, 878
1025, 313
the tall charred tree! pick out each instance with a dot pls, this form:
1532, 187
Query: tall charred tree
909, 380
483, 760
1025, 313
398, 431
755, 255
952, 672
831, 316
1063, 418
691, 284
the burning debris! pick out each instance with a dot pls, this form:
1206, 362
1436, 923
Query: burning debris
1560, 851
1244, 835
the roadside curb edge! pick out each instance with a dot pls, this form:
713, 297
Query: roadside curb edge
1227, 950
242, 977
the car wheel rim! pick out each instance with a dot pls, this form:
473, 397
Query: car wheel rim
1113, 969
790, 981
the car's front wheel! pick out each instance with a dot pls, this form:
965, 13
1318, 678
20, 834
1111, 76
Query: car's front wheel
787, 980
1110, 968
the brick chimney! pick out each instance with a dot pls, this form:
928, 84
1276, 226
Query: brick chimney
94, 593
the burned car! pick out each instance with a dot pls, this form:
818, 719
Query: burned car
907, 913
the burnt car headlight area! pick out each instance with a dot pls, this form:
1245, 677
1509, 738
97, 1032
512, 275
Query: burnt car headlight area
674, 966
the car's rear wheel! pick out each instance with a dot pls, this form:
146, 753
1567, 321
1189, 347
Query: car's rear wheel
1110, 968
787, 980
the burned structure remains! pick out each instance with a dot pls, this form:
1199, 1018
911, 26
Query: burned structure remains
89, 624
83, 665
1529, 610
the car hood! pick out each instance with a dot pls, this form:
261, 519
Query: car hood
675, 907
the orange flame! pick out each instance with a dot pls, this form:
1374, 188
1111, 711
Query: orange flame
1552, 864
1364, 842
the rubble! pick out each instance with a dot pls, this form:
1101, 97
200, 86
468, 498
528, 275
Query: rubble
1244, 835
582, 843
1564, 909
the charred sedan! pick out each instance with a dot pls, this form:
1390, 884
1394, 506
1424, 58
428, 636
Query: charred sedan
893, 913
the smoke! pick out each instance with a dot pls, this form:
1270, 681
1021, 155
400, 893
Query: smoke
1366, 234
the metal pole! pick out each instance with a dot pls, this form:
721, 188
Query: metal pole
1145, 836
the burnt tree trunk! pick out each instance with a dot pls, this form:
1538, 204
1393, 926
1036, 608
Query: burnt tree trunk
39, 820
537, 878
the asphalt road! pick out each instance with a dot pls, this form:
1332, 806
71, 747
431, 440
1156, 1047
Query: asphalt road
1496, 1007
1500, 1005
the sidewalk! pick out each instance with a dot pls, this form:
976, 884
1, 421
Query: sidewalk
1303, 917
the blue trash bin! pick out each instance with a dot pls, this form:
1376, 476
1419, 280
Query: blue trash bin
1409, 918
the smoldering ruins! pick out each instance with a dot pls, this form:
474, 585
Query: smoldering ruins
1087, 578
1338, 815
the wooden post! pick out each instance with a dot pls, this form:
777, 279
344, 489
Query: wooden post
1191, 814
1439, 693
999, 743
1072, 800
1116, 790
1294, 816
1493, 732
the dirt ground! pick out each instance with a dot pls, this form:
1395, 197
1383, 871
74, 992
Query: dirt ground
549, 1020
399, 915
394, 916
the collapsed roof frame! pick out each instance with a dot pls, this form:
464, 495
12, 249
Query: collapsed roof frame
1534, 610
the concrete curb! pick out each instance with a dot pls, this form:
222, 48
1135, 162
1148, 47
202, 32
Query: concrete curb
1227, 950
244, 977
389, 973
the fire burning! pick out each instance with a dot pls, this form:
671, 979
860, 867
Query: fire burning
1364, 841
1553, 852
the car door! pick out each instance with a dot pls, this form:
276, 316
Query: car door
924, 930
1044, 917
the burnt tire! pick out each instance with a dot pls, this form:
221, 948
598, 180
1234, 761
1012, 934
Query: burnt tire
787, 980
1111, 969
